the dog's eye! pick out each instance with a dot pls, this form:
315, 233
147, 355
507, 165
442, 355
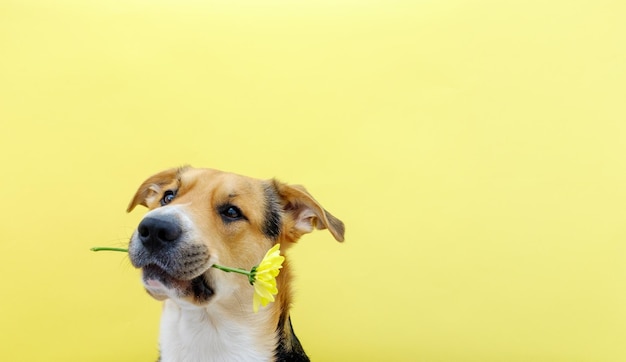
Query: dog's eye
168, 196
231, 213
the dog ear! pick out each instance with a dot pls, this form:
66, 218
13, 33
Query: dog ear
153, 186
306, 213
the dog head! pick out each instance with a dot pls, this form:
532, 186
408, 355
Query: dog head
199, 217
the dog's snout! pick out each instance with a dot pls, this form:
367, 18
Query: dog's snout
159, 232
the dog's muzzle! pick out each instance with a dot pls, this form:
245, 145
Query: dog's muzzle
165, 250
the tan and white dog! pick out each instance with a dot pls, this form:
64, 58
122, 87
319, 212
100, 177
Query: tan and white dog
199, 217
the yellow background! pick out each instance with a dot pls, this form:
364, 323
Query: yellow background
475, 150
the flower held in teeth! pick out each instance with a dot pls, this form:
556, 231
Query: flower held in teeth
262, 276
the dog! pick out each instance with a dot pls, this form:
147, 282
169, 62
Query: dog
200, 217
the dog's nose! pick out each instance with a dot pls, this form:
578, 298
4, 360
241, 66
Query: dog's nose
155, 233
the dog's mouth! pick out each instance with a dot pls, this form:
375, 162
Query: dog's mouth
162, 285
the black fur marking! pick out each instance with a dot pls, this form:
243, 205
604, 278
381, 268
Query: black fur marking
273, 221
201, 289
289, 348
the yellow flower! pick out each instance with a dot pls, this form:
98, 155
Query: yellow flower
264, 278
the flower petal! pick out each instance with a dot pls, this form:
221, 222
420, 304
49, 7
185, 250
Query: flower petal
256, 301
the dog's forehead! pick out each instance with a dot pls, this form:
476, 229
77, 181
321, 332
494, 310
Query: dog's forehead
219, 187
211, 180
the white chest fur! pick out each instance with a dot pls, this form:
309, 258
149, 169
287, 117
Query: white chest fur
190, 334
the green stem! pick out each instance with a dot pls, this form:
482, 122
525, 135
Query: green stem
250, 273
233, 270
102, 248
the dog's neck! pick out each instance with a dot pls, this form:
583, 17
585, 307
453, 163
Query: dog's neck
207, 334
